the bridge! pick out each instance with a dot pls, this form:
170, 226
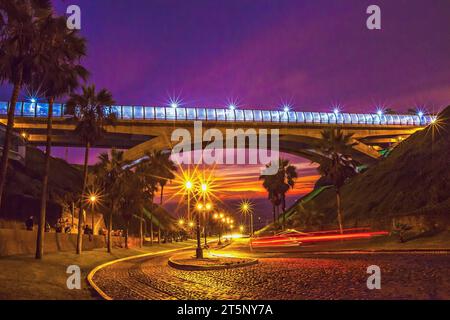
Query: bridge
143, 128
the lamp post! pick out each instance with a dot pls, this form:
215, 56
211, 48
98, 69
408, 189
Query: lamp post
199, 250
188, 186
218, 217
208, 208
246, 207
92, 200
181, 225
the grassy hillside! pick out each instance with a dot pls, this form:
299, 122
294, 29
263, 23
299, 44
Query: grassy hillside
413, 180
24, 186
26, 180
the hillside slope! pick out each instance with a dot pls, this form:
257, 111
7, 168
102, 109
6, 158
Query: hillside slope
24, 185
413, 180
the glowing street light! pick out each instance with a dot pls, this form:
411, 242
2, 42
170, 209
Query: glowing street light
246, 207
93, 198
232, 107
181, 222
286, 108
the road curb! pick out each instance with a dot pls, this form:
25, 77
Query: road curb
99, 267
190, 267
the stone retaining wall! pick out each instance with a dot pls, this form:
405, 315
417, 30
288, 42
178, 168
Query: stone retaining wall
18, 242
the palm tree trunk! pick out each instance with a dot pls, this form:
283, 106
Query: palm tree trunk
151, 229
141, 229
283, 209
83, 189
162, 192
159, 234
8, 134
110, 228
44, 195
273, 212
126, 235
339, 213
73, 213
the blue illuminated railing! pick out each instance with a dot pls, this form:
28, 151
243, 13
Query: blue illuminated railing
28, 109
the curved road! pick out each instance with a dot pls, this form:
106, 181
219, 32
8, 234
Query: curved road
282, 276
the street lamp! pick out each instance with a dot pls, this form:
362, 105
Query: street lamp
218, 218
188, 185
208, 208
93, 200
246, 207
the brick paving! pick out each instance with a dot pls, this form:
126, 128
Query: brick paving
282, 277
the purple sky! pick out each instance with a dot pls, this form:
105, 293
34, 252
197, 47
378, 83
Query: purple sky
264, 52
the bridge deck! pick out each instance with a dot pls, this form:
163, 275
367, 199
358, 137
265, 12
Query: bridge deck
139, 113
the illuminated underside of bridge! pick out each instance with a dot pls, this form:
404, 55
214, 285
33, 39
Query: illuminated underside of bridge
140, 129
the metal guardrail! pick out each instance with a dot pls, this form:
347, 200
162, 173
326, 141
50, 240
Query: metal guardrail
137, 113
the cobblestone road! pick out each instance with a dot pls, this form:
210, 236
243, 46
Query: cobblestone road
289, 276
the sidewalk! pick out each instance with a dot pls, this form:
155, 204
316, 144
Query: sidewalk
25, 278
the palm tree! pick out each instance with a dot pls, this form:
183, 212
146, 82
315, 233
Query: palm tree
278, 184
287, 174
59, 75
148, 176
337, 166
164, 166
19, 48
132, 201
273, 186
91, 117
110, 172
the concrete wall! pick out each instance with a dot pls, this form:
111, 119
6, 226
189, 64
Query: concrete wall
21, 242
16, 242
